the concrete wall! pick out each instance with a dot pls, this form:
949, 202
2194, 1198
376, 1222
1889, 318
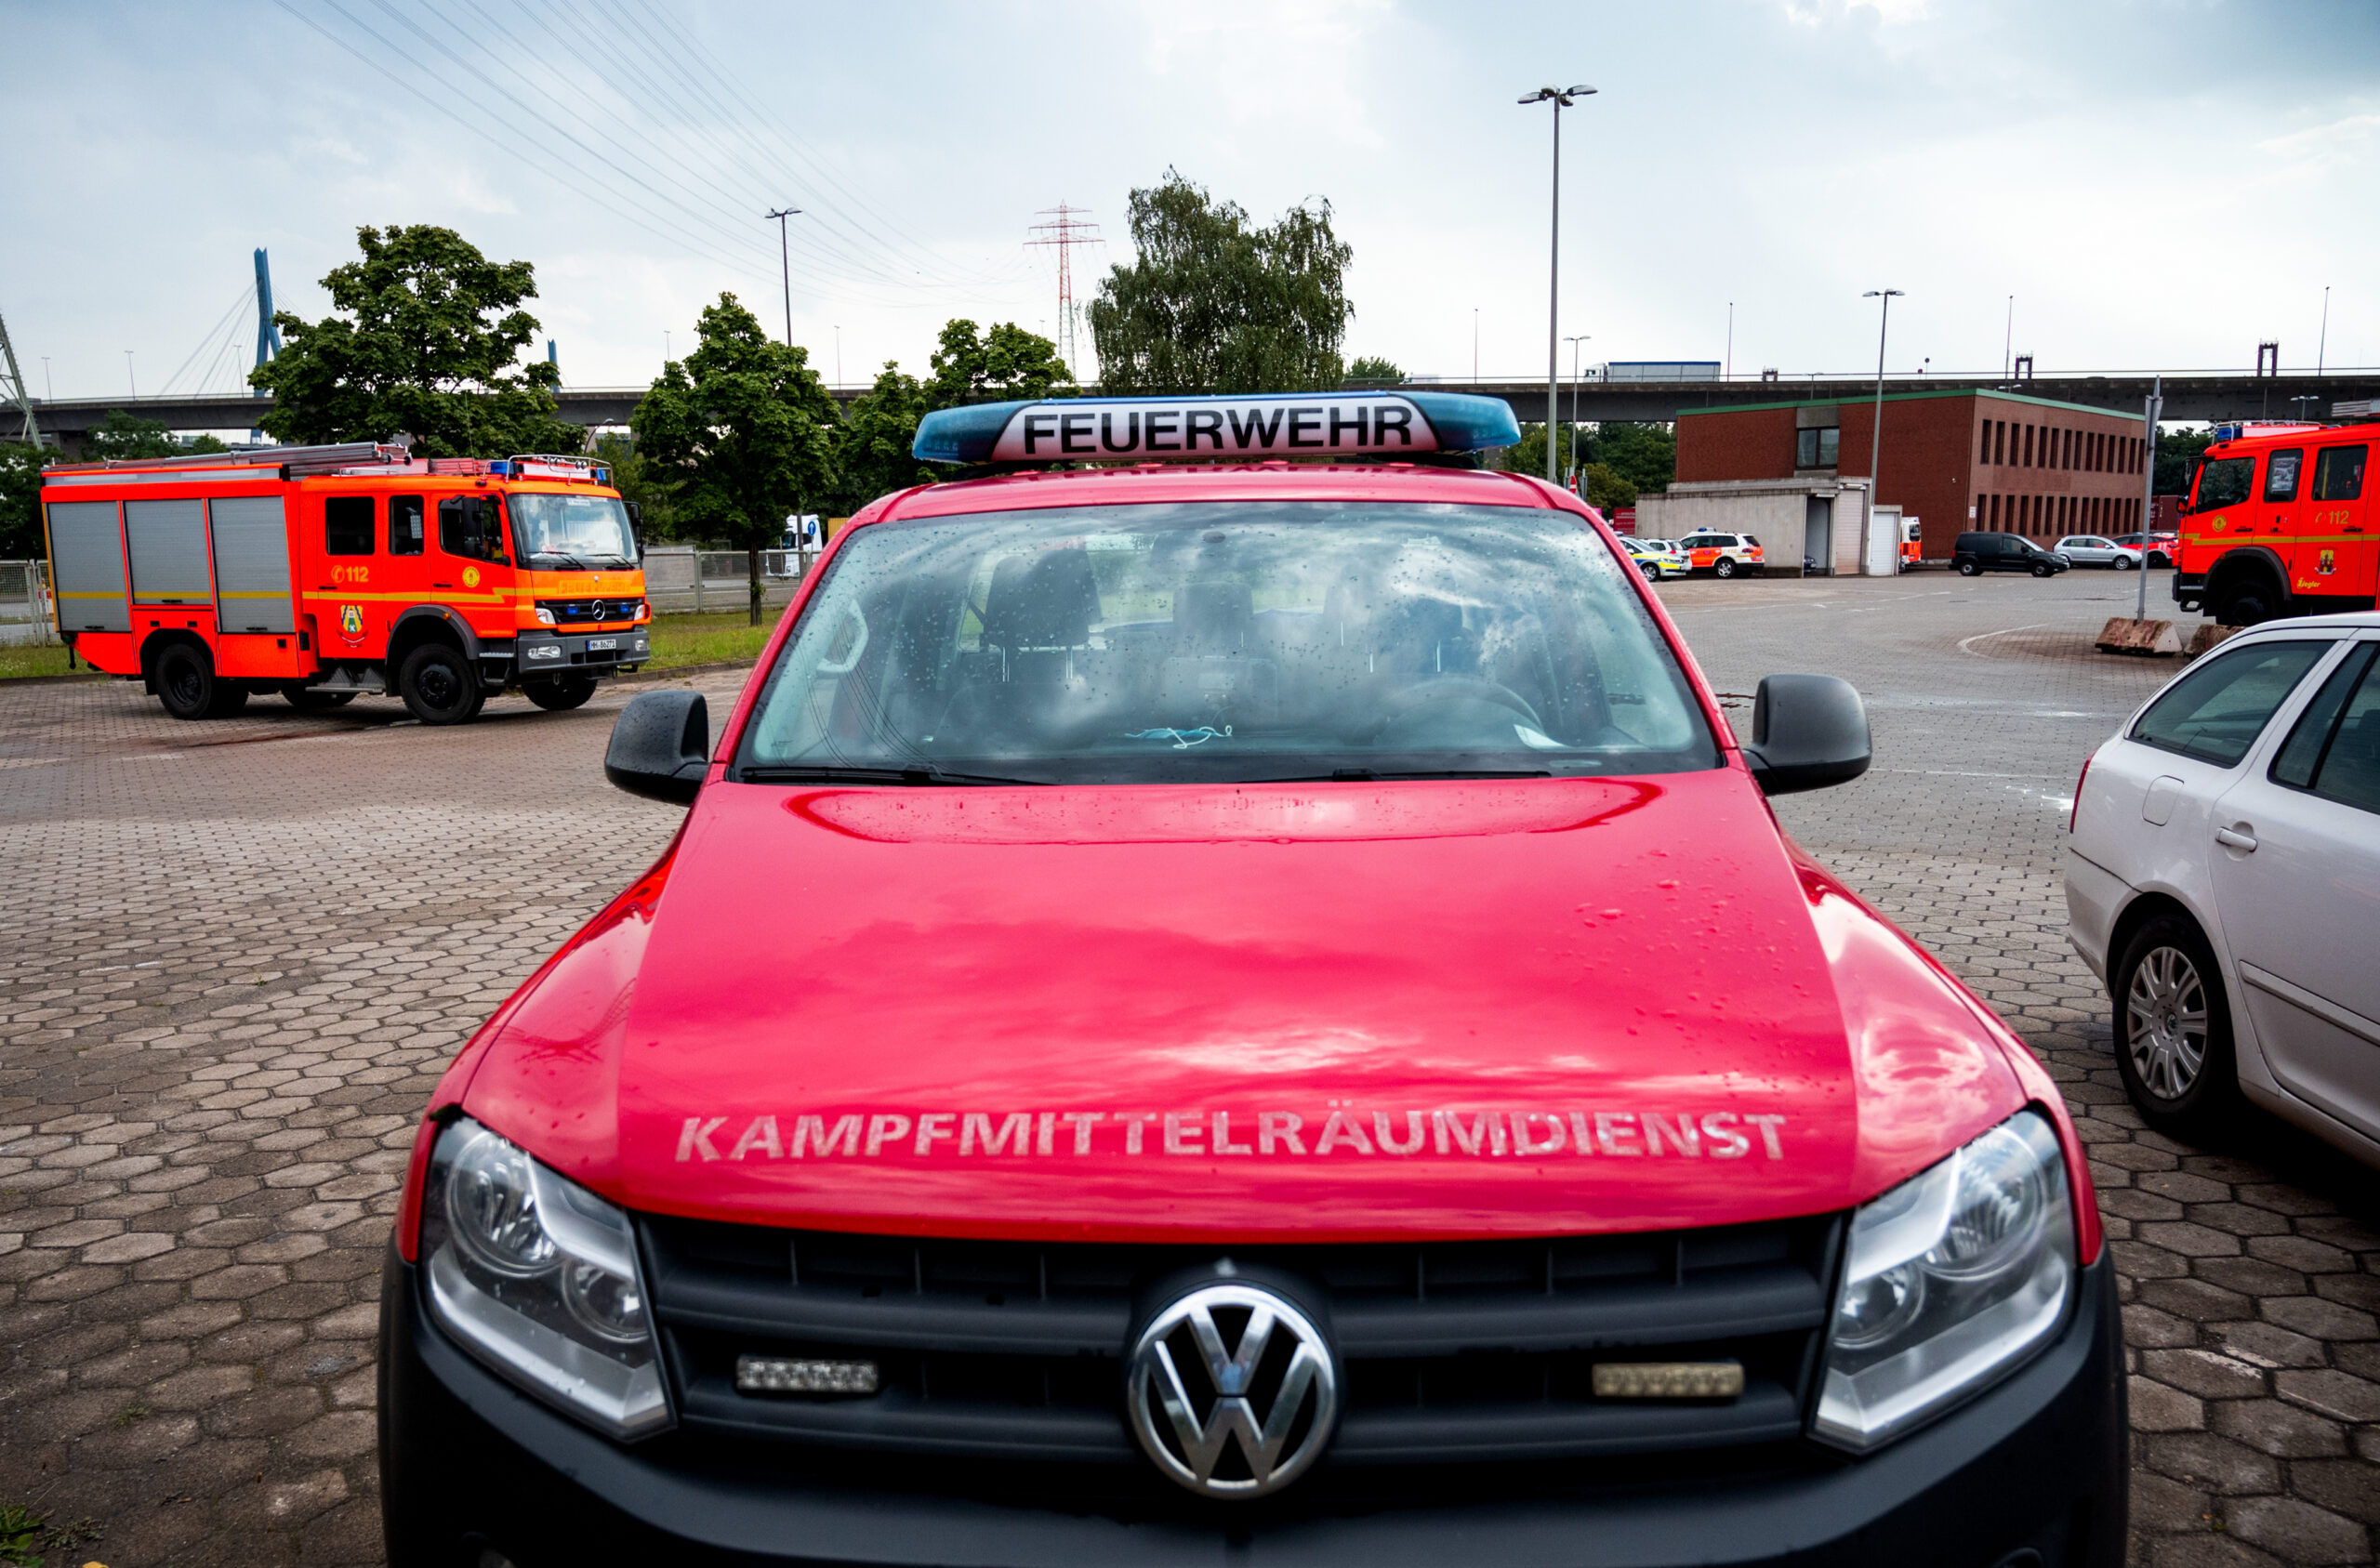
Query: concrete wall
1776, 515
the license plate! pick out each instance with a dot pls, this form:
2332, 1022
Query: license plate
597, 644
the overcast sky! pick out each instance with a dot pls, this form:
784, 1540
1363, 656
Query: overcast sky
2161, 184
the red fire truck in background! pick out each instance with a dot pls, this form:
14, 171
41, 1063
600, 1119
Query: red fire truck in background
322, 572
2280, 523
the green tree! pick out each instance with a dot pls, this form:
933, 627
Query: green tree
120, 437
1210, 304
426, 340
741, 433
1645, 455
872, 448
21, 468
1007, 361
639, 484
1371, 370
1605, 491
2177, 455
1528, 455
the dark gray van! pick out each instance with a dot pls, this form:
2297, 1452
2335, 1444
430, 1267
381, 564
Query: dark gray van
2004, 552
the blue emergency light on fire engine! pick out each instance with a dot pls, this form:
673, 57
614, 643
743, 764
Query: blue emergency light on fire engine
1386, 426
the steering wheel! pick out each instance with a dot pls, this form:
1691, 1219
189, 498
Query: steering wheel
1408, 702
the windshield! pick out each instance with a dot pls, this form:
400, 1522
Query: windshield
1264, 640
567, 531
2224, 482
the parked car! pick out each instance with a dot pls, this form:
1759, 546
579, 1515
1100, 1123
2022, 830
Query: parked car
1723, 555
2161, 547
2091, 549
1975, 553
2223, 878
1651, 559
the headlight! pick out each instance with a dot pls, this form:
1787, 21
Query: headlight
538, 1276
1952, 1278
546, 616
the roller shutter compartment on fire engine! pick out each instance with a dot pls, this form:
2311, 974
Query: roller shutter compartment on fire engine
86, 552
168, 542
252, 565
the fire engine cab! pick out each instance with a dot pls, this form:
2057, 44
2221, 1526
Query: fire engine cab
323, 572
2278, 524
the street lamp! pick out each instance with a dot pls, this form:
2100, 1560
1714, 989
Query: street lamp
1575, 467
1877, 435
784, 258
1562, 98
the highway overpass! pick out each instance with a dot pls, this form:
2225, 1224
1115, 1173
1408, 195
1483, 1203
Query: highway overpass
2189, 395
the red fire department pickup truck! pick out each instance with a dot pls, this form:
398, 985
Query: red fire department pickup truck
2278, 524
322, 572
1244, 1010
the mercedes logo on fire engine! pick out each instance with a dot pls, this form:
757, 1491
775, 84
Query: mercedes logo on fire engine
1232, 1391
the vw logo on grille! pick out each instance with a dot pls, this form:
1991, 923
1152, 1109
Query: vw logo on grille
1232, 1391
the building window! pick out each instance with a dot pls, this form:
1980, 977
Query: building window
2000, 440
1817, 448
2029, 445
1985, 456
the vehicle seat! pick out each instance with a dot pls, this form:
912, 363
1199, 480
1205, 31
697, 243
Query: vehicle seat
1214, 615
1037, 608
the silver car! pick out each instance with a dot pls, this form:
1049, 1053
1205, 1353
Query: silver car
2091, 549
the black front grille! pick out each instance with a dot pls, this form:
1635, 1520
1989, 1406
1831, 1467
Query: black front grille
589, 611
1453, 1350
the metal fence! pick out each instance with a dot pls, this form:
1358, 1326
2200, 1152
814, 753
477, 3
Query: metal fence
677, 578
24, 602
683, 577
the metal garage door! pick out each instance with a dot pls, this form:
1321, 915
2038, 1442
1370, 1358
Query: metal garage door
167, 543
86, 553
251, 565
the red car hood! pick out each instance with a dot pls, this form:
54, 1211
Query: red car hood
1339, 1011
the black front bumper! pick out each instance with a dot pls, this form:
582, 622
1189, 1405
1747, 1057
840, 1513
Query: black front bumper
2033, 1472
538, 656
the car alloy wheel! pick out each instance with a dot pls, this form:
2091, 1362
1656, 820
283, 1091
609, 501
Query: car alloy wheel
2168, 1014
1725, 567
1968, 569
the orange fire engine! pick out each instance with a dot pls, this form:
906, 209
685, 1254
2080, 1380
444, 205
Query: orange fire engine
323, 573
2280, 523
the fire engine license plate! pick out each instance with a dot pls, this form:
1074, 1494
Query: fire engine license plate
596, 644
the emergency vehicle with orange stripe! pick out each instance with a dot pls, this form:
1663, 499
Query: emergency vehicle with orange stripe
2280, 522
326, 573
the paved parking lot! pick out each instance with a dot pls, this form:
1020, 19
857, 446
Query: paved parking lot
233, 957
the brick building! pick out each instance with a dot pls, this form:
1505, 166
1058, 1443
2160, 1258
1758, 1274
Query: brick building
1953, 460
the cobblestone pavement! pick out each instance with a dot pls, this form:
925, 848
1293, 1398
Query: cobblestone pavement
233, 957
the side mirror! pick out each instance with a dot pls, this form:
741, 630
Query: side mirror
661, 746
1808, 731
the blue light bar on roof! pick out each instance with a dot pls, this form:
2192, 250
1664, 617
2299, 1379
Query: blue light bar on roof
1177, 429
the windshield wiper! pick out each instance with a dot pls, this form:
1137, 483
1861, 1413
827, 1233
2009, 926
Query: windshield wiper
913, 776
570, 560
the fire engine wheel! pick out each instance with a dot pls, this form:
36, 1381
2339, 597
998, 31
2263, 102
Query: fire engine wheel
559, 694
439, 685
189, 687
295, 695
1725, 566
